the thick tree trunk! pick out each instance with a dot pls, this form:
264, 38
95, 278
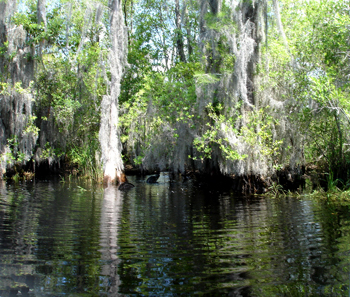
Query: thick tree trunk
108, 136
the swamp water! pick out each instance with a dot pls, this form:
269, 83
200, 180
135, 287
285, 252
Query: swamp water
76, 239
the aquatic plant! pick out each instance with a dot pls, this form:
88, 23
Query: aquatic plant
276, 190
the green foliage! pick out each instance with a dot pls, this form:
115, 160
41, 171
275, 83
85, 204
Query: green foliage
258, 131
3, 48
86, 159
14, 156
276, 190
138, 160
219, 54
205, 78
16, 177
163, 100
4, 89
215, 137
58, 93
327, 128
310, 78
69, 83
31, 127
37, 32
221, 21
50, 152
257, 134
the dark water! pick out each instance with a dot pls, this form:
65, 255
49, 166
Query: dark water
77, 239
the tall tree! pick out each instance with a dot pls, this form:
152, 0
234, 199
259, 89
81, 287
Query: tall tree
108, 135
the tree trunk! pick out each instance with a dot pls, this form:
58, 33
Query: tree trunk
279, 24
188, 30
108, 135
179, 36
41, 15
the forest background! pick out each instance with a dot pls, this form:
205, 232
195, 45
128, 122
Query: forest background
253, 90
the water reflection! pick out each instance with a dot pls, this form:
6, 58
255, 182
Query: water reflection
168, 239
110, 216
18, 220
49, 242
188, 240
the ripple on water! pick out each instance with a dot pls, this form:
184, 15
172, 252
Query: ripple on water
168, 240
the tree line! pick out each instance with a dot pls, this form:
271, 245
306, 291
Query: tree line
247, 89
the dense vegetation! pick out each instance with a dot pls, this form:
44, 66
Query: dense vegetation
251, 89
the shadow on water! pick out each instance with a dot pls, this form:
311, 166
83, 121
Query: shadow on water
168, 239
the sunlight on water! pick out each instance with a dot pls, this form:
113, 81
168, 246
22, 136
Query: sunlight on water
168, 240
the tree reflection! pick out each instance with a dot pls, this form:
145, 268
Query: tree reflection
168, 239
110, 216
18, 224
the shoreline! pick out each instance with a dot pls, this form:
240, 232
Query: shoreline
299, 179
